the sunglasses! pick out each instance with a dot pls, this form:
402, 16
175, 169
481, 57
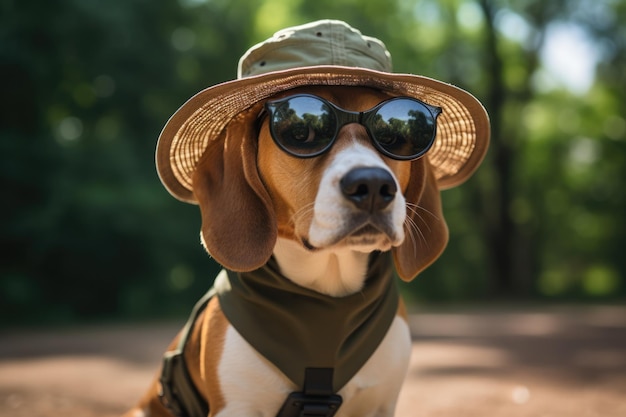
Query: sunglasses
305, 125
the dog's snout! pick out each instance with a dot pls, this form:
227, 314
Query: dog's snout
369, 189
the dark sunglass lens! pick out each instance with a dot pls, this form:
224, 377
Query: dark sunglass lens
403, 127
303, 125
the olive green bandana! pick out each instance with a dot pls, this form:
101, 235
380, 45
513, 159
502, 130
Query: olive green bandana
296, 328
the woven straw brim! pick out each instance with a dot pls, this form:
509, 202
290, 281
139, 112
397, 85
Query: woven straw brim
462, 128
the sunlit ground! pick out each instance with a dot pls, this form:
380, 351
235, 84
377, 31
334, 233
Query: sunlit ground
549, 362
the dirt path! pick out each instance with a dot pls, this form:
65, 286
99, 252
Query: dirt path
557, 362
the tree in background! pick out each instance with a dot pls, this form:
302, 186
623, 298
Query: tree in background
88, 231
554, 224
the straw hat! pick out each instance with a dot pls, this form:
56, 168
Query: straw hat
326, 53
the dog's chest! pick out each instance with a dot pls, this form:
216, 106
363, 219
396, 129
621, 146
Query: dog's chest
252, 385
295, 328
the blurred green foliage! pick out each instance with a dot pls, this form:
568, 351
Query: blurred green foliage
88, 232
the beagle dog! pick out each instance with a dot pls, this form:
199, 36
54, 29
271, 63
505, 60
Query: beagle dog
320, 219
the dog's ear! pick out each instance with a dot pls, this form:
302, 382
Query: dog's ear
238, 221
426, 229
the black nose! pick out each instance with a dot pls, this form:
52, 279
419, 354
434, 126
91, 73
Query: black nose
370, 189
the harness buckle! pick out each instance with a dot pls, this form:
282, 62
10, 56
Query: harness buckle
316, 400
299, 404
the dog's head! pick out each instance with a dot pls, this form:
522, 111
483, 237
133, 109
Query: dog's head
352, 196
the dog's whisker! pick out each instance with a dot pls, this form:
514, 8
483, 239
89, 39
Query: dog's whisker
415, 236
415, 227
417, 206
413, 208
419, 231
411, 229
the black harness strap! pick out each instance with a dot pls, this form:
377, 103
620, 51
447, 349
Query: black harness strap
178, 392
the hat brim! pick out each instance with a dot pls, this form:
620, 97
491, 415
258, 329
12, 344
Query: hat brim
463, 129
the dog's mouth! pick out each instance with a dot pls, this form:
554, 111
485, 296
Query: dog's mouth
307, 245
366, 236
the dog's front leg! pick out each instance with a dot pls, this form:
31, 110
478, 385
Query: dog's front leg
250, 385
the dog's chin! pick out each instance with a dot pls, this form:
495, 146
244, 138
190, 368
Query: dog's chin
366, 239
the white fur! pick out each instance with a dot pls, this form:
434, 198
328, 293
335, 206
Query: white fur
336, 272
251, 385
331, 209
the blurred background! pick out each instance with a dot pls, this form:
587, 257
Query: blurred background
89, 234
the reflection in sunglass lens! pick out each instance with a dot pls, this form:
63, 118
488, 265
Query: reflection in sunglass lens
403, 127
304, 125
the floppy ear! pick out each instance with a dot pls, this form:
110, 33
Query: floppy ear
426, 229
238, 221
